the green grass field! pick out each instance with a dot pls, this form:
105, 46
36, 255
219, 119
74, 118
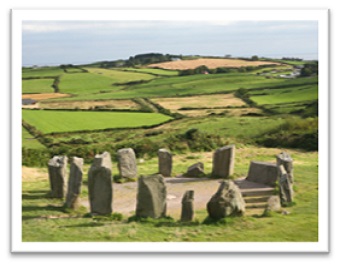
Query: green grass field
287, 95
36, 86
42, 72
28, 141
70, 121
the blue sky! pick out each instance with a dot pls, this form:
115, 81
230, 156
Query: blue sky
79, 42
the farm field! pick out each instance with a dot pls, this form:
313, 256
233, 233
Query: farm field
293, 94
29, 141
125, 104
211, 63
41, 72
69, 121
153, 71
210, 101
34, 86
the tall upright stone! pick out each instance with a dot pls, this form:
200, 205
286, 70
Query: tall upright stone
164, 162
57, 176
74, 183
127, 165
100, 184
227, 201
223, 162
151, 196
285, 186
187, 213
285, 159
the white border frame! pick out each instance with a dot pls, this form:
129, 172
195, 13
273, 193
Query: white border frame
321, 16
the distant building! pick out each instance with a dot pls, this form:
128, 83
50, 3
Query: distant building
28, 101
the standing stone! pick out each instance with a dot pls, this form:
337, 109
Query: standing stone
195, 171
285, 186
284, 159
223, 162
187, 214
74, 183
57, 173
273, 204
262, 173
227, 201
127, 163
100, 184
151, 196
164, 162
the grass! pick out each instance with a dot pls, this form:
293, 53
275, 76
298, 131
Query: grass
44, 219
28, 141
42, 72
35, 86
68, 121
288, 95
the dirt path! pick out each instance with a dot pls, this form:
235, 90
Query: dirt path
124, 195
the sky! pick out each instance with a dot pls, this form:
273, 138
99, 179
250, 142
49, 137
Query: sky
81, 42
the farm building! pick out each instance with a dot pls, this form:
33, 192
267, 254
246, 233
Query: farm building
28, 101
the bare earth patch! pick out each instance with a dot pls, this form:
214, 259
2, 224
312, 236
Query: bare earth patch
104, 104
211, 63
44, 96
202, 101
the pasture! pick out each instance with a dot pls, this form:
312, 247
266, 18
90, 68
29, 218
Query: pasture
41, 72
29, 141
287, 95
36, 86
70, 121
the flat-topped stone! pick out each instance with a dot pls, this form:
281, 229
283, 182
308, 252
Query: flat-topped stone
263, 173
164, 162
223, 162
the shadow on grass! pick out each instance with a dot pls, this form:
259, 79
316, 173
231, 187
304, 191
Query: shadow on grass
44, 208
39, 194
90, 224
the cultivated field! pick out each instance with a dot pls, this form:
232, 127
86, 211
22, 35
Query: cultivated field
211, 63
71, 121
125, 104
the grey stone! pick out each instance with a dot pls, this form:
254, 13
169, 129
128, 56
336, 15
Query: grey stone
151, 196
273, 204
187, 213
57, 176
127, 163
285, 159
100, 184
227, 201
195, 171
263, 173
74, 183
223, 162
164, 162
285, 186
